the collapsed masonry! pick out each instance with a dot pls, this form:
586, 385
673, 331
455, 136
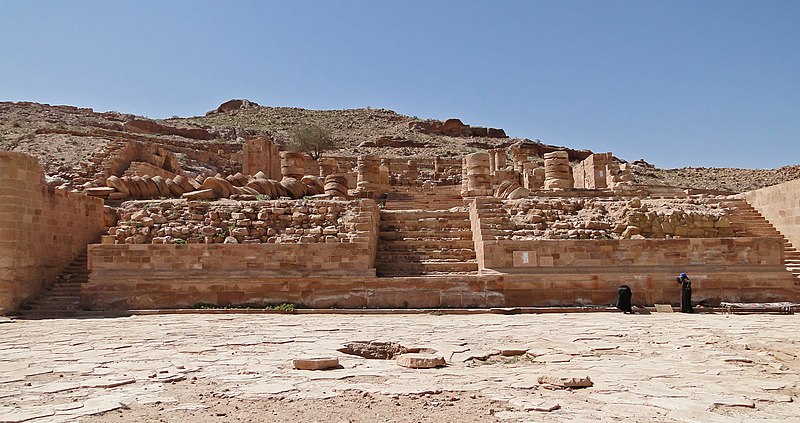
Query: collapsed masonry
498, 228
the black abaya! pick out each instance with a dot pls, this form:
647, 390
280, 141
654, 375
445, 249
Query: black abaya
686, 295
624, 298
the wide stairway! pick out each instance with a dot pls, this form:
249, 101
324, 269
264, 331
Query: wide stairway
758, 226
425, 232
62, 297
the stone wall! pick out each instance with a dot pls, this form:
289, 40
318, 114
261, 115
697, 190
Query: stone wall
260, 154
168, 276
780, 205
41, 230
686, 253
568, 272
589, 218
592, 172
252, 222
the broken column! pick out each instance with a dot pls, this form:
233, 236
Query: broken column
327, 166
293, 164
557, 172
413, 171
386, 175
476, 175
336, 185
500, 159
369, 174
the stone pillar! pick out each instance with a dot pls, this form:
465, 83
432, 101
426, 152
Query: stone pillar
500, 159
532, 176
369, 174
438, 165
386, 177
593, 171
293, 164
327, 166
492, 167
557, 172
476, 175
336, 185
413, 171
260, 154
519, 159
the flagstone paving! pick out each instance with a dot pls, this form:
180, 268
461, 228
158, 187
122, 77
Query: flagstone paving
659, 367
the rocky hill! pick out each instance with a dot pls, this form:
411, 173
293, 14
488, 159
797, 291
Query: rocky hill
72, 143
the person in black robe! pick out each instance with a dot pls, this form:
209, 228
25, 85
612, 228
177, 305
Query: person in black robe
624, 295
686, 293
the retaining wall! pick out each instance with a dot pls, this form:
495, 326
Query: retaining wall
41, 229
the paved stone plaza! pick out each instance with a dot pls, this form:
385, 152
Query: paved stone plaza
657, 367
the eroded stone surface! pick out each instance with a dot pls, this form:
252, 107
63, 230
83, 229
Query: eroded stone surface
641, 371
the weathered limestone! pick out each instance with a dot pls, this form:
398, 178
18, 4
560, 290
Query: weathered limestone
476, 175
260, 154
557, 171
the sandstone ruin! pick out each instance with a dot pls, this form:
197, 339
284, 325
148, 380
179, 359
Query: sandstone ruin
516, 226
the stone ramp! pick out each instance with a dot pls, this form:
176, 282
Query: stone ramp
62, 297
422, 242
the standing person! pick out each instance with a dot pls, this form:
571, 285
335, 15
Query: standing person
624, 295
686, 293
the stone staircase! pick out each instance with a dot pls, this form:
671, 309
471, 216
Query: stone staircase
418, 198
62, 297
758, 226
425, 242
494, 221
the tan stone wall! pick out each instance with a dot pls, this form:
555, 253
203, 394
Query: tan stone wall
680, 253
260, 154
567, 272
168, 276
41, 230
780, 204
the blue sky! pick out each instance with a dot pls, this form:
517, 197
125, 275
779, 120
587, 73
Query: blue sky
678, 83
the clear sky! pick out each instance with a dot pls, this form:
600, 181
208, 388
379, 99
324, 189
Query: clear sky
678, 82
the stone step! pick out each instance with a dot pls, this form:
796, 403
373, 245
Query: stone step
422, 244
416, 215
442, 234
425, 267
421, 225
418, 256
